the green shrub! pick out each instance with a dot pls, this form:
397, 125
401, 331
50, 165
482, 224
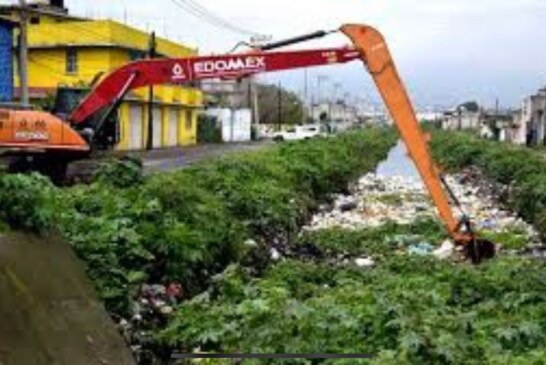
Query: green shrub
379, 241
188, 225
26, 201
406, 309
522, 170
121, 173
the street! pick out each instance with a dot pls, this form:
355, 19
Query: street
179, 158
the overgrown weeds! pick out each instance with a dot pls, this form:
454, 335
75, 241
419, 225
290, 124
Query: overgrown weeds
188, 225
405, 309
521, 169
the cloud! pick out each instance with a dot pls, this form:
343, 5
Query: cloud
447, 50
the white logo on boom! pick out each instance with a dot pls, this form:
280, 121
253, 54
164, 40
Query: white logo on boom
249, 63
31, 136
178, 72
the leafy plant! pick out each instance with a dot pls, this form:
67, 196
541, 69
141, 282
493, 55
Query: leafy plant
406, 309
121, 173
189, 225
27, 201
522, 170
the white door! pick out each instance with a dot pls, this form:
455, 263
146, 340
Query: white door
173, 128
135, 127
157, 128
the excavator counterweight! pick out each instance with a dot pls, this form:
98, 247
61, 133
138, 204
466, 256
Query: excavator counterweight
34, 130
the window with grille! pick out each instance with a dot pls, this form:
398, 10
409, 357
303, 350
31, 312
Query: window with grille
71, 60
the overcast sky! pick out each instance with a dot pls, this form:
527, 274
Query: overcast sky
447, 51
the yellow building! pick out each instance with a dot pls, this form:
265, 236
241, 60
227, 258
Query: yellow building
67, 51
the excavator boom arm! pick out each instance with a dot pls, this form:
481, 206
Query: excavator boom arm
380, 65
187, 70
369, 46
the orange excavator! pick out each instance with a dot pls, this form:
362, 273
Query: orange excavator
53, 142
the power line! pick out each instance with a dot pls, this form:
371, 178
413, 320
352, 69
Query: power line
219, 19
206, 15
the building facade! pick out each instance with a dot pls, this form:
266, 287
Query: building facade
6, 60
463, 117
69, 52
533, 118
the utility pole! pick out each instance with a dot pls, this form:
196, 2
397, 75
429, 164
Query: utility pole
151, 54
23, 53
321, 79
252, 96
312, 109
256, 107
306, 106
497, 106
279, 106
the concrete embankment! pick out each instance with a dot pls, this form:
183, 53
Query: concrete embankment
49, 311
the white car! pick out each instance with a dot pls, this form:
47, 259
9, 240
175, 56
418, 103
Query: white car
299, 132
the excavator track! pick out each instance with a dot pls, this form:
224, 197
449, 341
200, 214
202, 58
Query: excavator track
63, 170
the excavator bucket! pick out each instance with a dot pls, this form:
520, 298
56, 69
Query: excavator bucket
478, 250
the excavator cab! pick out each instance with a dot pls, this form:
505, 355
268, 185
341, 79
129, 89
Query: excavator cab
107, 137
67, 99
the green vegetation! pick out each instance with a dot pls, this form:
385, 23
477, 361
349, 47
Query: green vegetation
186, 226
404, 310
193, 227
208, 130
398, 199
291, 106
27, 202
378, 242
512, 239
522, 170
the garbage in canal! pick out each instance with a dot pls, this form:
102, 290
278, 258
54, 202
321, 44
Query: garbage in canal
421, 249
154, 305
275, 254
364, 262
445, 251
377, 199
346, 204
251, 243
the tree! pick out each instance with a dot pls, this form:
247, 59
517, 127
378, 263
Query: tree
291, 106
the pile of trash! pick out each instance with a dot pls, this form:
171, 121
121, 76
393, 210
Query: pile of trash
376, 200
151, 309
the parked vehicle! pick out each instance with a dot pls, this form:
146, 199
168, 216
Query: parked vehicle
299, 132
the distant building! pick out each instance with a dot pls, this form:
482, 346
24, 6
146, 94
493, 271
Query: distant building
498, 125
337, 116
67, 51
235, 124
429, 116
233, 94
463, 117
531, 121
